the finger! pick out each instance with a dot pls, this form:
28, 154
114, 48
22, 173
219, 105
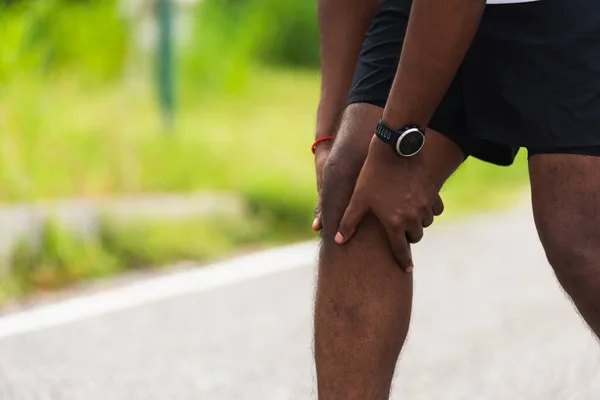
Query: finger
438, 205
427, 219
414, 234
352, 216
317, 224
400, 248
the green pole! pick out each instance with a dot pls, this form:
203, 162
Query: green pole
164, 14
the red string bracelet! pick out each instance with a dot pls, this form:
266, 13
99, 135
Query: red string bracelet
319, 140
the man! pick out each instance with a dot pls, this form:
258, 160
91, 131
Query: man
485, 80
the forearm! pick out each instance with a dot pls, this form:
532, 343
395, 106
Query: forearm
439, 34
342, 26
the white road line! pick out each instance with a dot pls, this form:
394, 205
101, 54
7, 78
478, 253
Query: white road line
177, 284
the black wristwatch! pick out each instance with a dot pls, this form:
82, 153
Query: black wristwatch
406, 142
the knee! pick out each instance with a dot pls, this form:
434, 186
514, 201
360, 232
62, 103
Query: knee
575, 261
339, 179
345, 162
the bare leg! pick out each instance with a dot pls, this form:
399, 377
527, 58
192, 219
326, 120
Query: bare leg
566, 205
363, 299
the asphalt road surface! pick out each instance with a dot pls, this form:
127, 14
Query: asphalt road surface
490, 322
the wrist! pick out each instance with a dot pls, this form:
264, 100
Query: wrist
326, 127
321, 143
328, 121
398, 118
384, 152
381, 150
394, 120
323, 133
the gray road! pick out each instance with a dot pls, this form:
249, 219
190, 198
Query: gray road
490, 322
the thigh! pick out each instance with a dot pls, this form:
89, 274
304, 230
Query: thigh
566, 206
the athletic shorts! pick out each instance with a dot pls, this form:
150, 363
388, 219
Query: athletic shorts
531, 78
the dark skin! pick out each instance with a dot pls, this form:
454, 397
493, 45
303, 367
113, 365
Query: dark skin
429, 61
342, 26
422, 79
565, 192
357, 344
363, 300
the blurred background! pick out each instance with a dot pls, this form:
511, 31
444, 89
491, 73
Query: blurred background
144, 140
138, 133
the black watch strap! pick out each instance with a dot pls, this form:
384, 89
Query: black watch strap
405, 142
387, 134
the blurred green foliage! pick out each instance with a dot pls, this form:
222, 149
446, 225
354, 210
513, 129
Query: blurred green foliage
41, 37
62, 257
89, 38
232, 37
58, 141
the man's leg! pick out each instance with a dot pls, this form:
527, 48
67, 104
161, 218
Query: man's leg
566, 205
363, 298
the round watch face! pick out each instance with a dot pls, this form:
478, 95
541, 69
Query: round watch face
410, 142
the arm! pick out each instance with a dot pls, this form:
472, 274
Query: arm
342, 27
439, 34
399, 191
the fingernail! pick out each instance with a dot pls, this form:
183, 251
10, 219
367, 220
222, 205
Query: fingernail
315, 224
339, 239
410, 269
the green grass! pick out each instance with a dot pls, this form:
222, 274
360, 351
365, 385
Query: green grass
61, 140
64, 139
62, 257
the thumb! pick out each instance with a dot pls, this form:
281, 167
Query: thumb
352, 216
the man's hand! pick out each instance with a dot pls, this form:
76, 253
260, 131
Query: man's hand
321, 154
399, 192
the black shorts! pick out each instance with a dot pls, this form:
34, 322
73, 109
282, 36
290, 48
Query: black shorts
530, 79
